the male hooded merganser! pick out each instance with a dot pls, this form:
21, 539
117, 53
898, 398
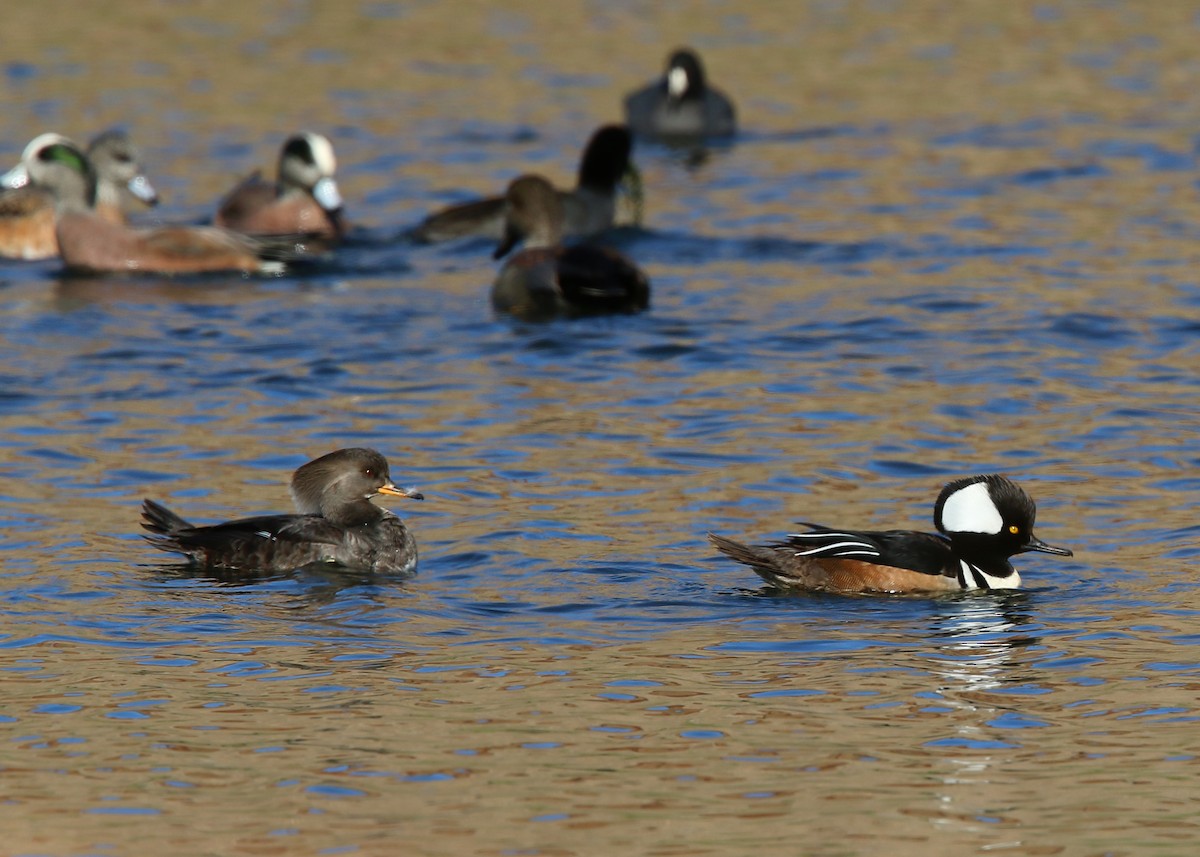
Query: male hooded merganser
303, 201
545, 278
337, 523
983, 520
681, 105
588, 208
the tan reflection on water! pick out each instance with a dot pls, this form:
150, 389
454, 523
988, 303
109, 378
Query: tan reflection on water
666, 748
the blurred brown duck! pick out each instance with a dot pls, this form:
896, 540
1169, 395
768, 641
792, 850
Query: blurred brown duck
304, 200
545, 278
27, 210
588, 208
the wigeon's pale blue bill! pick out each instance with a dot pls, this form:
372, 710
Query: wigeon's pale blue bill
141, 188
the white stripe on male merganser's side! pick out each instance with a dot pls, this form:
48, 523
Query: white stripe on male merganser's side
824, 534
837, 550
972, 510
850, 547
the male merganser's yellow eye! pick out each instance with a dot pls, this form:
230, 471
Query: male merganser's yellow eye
1014, 529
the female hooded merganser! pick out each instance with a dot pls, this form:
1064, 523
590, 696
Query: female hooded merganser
681, 106
545, 278
337, 523
983, 520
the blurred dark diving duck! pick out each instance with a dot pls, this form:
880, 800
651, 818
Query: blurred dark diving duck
680, 107
337, 523
89, 242
304, 200
546, 279
982, 521
589, 208
27, 210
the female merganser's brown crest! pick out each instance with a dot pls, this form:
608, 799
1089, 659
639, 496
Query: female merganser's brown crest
339, 486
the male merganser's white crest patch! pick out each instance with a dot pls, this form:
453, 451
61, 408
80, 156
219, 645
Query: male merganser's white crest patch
322, 151
841, 549
971, 510
677, 82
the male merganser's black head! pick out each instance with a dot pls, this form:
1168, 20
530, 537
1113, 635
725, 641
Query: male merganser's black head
685, 75
340, 485
989, 517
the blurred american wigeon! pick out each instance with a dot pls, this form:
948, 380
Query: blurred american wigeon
588, 208
119, 173
27, 210
88, 242
546, 279
304, 200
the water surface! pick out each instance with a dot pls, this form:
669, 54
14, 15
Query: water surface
949, 241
